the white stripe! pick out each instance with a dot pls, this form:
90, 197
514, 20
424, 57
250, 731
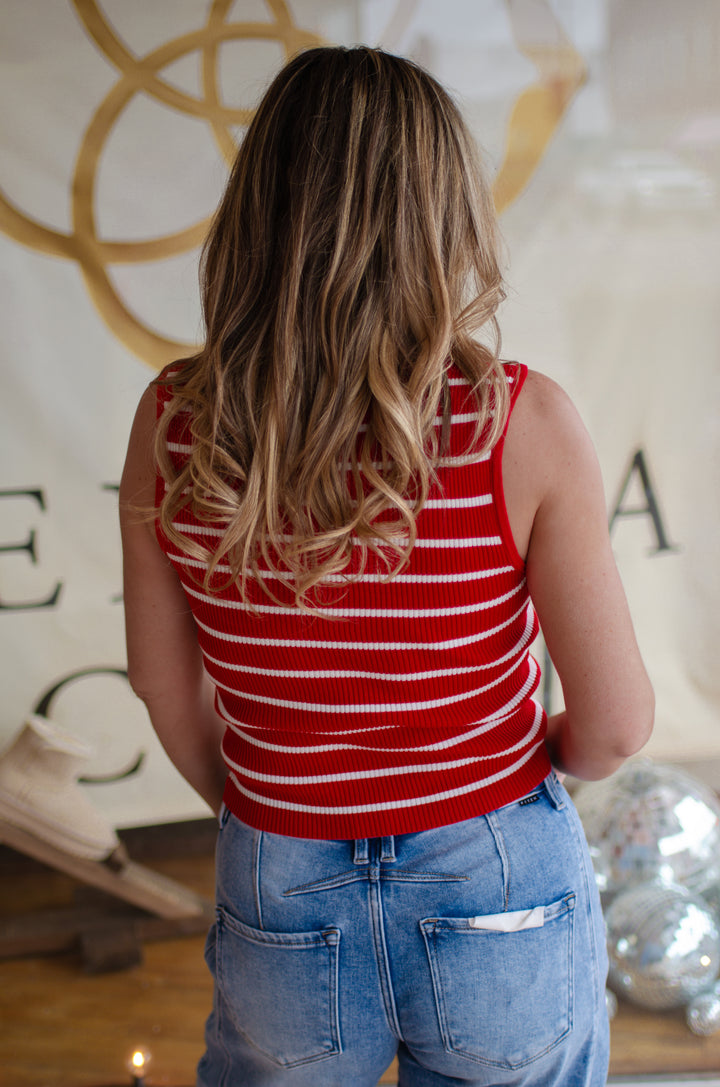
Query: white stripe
391, 805
421, 579
464, 380
387, 771
185, 491
301, 643
318, 749
463, 461
355, 613
458, 503
458, 417
365, 707
477, 729
486, 725
396, 677
364, 579
473, 502
464, 541
442, 462
367, 730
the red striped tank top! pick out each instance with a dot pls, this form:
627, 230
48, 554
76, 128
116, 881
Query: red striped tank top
402, 705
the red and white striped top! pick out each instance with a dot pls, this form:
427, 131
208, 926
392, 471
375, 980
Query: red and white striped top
402, 706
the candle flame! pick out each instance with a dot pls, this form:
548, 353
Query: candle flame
138, 1061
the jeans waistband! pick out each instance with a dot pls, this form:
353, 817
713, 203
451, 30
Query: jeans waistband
362, 850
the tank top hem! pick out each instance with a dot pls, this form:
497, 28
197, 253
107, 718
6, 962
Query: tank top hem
412, 819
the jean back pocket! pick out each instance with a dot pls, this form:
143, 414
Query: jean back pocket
281, 989
503, 984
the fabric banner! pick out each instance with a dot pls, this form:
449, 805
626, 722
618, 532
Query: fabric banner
601, 124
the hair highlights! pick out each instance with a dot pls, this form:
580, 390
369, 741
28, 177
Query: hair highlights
353, 255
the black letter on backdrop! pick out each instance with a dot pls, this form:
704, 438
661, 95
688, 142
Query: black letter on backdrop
44, 705
29, 545
637, 464
114, 488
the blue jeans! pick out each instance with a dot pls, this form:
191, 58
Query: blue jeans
331, 957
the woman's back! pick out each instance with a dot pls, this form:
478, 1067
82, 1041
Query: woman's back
396, 703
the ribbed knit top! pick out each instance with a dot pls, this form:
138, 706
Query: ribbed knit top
402, 705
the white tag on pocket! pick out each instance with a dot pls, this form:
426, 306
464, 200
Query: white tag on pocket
514, 921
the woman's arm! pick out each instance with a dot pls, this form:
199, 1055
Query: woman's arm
556, 505
165, 664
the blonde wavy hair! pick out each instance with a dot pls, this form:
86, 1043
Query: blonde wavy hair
353, 258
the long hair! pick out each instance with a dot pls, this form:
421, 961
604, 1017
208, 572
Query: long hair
353, 258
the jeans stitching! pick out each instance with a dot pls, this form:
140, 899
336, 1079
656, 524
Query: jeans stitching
360, 874
257, 851
335, 999
571, 969
428, 930
217, 1016
494, 827
556, 790
375, 906
227, 1066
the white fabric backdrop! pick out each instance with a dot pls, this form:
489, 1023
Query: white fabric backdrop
110, 165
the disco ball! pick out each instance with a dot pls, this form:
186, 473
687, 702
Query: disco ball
651, 822
711, 894
611, 1004
663, 945
703, 1012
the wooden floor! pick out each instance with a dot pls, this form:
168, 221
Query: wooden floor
61, 1027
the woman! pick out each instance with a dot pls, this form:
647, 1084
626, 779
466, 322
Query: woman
357, 512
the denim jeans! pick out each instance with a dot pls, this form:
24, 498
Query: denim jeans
475, 952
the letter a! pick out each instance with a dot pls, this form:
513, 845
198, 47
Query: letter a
650, 509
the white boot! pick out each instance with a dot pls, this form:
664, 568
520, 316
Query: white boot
39, 791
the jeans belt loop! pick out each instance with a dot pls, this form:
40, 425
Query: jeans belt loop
387, 850
362, 852
555, 791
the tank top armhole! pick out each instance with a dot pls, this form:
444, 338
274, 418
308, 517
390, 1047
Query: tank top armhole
516, 373
162, 398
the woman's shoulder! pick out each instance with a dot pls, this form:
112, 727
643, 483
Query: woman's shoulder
545, 423
541, 394
547, 447
140, 463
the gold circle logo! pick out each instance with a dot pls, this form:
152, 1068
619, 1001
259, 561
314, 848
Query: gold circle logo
533, 120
